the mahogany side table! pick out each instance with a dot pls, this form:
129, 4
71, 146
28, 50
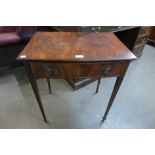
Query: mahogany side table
75, 55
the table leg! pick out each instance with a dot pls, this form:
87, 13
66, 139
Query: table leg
115, 90
49, 85
35, 89
98, 84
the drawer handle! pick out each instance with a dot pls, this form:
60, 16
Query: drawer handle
107, 69
48, 70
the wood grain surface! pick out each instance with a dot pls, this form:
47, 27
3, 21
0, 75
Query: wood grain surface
65, 46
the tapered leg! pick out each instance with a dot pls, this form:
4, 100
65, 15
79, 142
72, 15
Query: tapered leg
98, 84
115, 90
35, 89
49, 85
113, 95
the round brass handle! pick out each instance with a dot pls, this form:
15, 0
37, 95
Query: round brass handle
107, 69
48, 70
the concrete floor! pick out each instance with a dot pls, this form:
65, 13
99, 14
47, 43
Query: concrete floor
134, 106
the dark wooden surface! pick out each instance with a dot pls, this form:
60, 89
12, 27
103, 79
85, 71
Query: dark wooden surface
76, 70
64, 46
133, 37
46, 40
52, 55
35, 88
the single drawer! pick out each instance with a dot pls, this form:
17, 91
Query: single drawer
75, 70
141, 40
145, 30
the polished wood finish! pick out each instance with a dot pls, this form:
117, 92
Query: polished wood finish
115, 90
65, 46
35, 89
98, 84
128, 35
78, 70
49, 85
131, 36
54, 55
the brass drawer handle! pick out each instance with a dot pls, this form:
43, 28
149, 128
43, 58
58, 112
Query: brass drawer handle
106, 69
48, 70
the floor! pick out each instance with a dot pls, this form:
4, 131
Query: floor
134, 106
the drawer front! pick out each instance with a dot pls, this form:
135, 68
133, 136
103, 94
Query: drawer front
141, 40
75, 70
145, 30
138, 50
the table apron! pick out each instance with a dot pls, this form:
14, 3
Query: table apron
76, 70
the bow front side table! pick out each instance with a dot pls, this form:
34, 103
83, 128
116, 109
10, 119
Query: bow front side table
75, 55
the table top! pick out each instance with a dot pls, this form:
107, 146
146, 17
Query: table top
75, 47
